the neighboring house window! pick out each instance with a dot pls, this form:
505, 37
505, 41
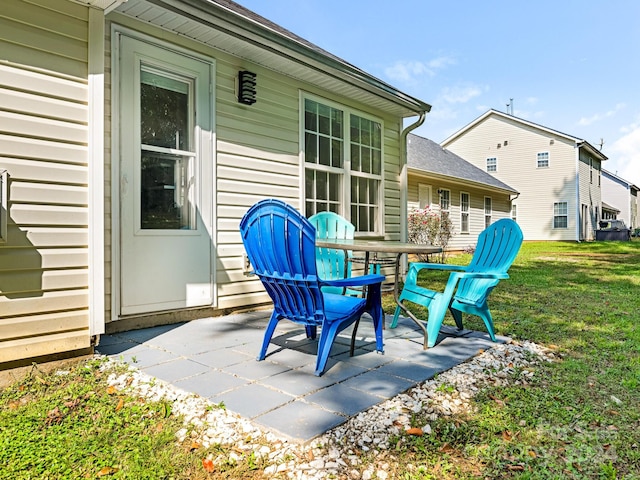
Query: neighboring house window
514, 212
464, 212
492, 164
343, 164
543, 159
488, 209
4, 206
560, 215
445, 200
590, 170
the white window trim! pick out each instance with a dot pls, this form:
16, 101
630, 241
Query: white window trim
484, 209
346, 169
553, 216
514, 217
495, 165
467, 212
548, 160
440, 195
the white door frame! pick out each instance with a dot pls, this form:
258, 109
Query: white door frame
211, 217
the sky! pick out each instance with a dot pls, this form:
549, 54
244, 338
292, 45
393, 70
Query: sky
569, 65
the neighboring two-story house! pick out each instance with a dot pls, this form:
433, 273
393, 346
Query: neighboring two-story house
441, 180
622, 196
558, 175
135, 134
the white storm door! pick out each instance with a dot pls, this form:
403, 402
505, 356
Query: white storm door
166, 193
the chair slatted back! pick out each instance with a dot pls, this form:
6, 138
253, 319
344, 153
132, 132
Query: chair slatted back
497, 248
280, 244
331, 262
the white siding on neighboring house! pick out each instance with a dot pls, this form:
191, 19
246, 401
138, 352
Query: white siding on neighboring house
44, 118
590, 202
258, 155
619, 193
515, 145
501, 206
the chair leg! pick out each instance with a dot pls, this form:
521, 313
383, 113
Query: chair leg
311, 331
327, 336
457, 316
485, 314
437, 310
394, 322
268, 333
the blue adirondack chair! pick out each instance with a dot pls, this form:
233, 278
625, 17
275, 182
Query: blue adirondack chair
469, 286
280, 244
331, 262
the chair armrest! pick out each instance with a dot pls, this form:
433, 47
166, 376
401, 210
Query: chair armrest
495, 276
437, 266
360, 281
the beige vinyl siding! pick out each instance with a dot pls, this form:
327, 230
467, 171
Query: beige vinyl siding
257, 156
517, 166
460, 241
43, 145
589, 191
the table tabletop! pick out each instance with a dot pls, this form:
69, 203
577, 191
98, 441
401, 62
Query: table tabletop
378, 246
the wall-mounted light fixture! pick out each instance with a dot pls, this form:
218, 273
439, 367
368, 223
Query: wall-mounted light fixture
246, 87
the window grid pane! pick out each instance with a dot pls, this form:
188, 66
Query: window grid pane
560, 215
464, 212
543, 159
492, 164
364, 203
324, 138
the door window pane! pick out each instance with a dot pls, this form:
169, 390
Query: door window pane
166, 188
164, 111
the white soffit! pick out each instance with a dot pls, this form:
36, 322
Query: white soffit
216, 33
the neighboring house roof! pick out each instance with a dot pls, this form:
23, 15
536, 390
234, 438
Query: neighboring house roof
606, 206
620, 180
236, 29
578, 141
427, 156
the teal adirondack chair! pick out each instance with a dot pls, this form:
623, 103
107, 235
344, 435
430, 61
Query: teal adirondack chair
331, 262
469, 286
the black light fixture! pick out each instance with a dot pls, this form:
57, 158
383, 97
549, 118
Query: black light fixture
246, 87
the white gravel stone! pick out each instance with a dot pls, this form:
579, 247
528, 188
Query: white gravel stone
333, 454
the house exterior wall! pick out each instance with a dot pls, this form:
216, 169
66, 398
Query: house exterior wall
258, 155
44, 118
618, 194
501, 206
590, 201
515, 146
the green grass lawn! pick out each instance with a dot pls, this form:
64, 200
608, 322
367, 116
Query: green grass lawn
578, 417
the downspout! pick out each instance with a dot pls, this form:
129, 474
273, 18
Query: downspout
403, 173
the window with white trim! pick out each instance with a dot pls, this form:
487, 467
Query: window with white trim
464, 212
488, 211
492, 164
560, 215
543, 159
514, 212
4, 206
590, 170
445, 200
343, 164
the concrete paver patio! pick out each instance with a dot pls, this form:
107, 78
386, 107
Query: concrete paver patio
216, 358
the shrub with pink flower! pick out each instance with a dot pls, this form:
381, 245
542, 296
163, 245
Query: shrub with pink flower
430, 226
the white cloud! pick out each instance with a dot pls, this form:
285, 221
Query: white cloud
460, 93
410, 71
584, 121
624, 155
